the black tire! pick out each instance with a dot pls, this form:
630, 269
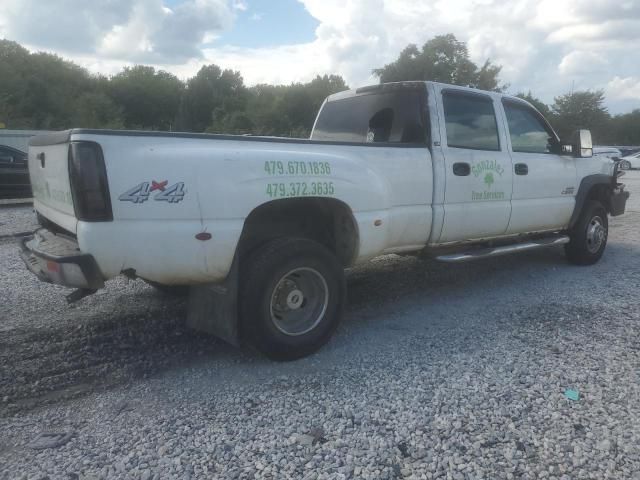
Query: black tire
625, 165
285, 279
589, 235
172, 290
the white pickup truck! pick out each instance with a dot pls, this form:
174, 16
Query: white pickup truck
262, 228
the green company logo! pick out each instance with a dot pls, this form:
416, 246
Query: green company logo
488, 169
488, 179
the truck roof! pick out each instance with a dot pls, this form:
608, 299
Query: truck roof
414, 84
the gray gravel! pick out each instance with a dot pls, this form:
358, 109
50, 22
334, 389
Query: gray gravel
437, 371
16, 219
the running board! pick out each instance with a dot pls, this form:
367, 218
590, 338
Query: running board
503, 250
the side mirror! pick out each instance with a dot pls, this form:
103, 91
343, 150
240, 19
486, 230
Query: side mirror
582, 145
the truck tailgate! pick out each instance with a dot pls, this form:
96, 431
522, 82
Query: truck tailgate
49, 173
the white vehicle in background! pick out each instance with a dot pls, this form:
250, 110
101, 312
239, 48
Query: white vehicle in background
261, 228
608, 152
630, 162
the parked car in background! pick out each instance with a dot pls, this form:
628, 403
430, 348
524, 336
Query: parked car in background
609, 152
14, 174
630, 161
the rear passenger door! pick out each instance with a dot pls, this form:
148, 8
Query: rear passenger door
544, 181
478, 173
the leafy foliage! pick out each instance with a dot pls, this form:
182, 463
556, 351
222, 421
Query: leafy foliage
536, 102
149, 98
44, 91
442, 59
581, 110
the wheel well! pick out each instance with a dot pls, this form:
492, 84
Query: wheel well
325, 220
602, 194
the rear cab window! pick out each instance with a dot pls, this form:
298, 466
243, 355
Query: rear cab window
385, 114
470, 121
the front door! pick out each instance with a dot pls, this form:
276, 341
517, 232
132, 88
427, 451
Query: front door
478, 167
544, 182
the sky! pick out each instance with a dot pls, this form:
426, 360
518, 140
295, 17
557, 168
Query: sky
548, 47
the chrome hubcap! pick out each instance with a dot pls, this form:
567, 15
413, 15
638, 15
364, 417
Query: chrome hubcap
596, 234
299, 301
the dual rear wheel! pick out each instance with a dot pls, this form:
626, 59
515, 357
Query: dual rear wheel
292, 292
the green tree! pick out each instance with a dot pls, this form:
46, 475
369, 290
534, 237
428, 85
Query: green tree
149, 99
542, 107
625, 129
577, 110
96, 110
442, 59
289, 110
13, 61
38, 90
209, 97
265, 110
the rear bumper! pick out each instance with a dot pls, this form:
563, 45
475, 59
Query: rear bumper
57, 259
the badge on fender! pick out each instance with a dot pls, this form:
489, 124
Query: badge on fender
141, 192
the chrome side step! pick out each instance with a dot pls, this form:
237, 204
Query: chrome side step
503, 250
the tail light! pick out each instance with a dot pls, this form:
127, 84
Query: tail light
89, 185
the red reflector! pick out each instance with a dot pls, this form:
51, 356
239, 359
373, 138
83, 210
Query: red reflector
52, 266
203, 236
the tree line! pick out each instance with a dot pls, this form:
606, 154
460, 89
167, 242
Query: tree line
43, 91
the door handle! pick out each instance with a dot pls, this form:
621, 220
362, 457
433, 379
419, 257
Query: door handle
521, 168
461, 169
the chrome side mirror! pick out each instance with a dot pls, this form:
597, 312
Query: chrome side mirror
582, 145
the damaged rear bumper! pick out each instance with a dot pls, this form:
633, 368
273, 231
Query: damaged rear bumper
57, 259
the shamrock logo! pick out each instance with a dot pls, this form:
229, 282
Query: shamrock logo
488, 179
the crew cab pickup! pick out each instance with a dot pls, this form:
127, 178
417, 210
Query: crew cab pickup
261, 229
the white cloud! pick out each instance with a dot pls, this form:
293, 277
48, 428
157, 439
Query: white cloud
579, 62
623, 88
240, 5
125, 30
545, 46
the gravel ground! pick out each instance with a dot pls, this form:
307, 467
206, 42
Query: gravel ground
16, 219
438, 371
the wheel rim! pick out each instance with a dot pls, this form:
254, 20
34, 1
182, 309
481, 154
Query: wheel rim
625, 165
596, 234
299, 301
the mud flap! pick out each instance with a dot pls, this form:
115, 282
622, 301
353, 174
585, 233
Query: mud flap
618, 201
213, 307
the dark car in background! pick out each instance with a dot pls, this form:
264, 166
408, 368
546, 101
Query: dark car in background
14, 174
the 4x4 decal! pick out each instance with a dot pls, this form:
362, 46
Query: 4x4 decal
141, 192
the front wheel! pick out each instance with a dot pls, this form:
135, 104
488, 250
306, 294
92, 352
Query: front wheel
292, 292
588, 238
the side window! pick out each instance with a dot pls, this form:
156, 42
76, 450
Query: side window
387, 117
470, 121
527, 130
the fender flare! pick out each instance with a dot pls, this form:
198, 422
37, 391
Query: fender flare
586, 185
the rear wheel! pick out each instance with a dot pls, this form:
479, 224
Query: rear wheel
589, 235
292, 291
625, 165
